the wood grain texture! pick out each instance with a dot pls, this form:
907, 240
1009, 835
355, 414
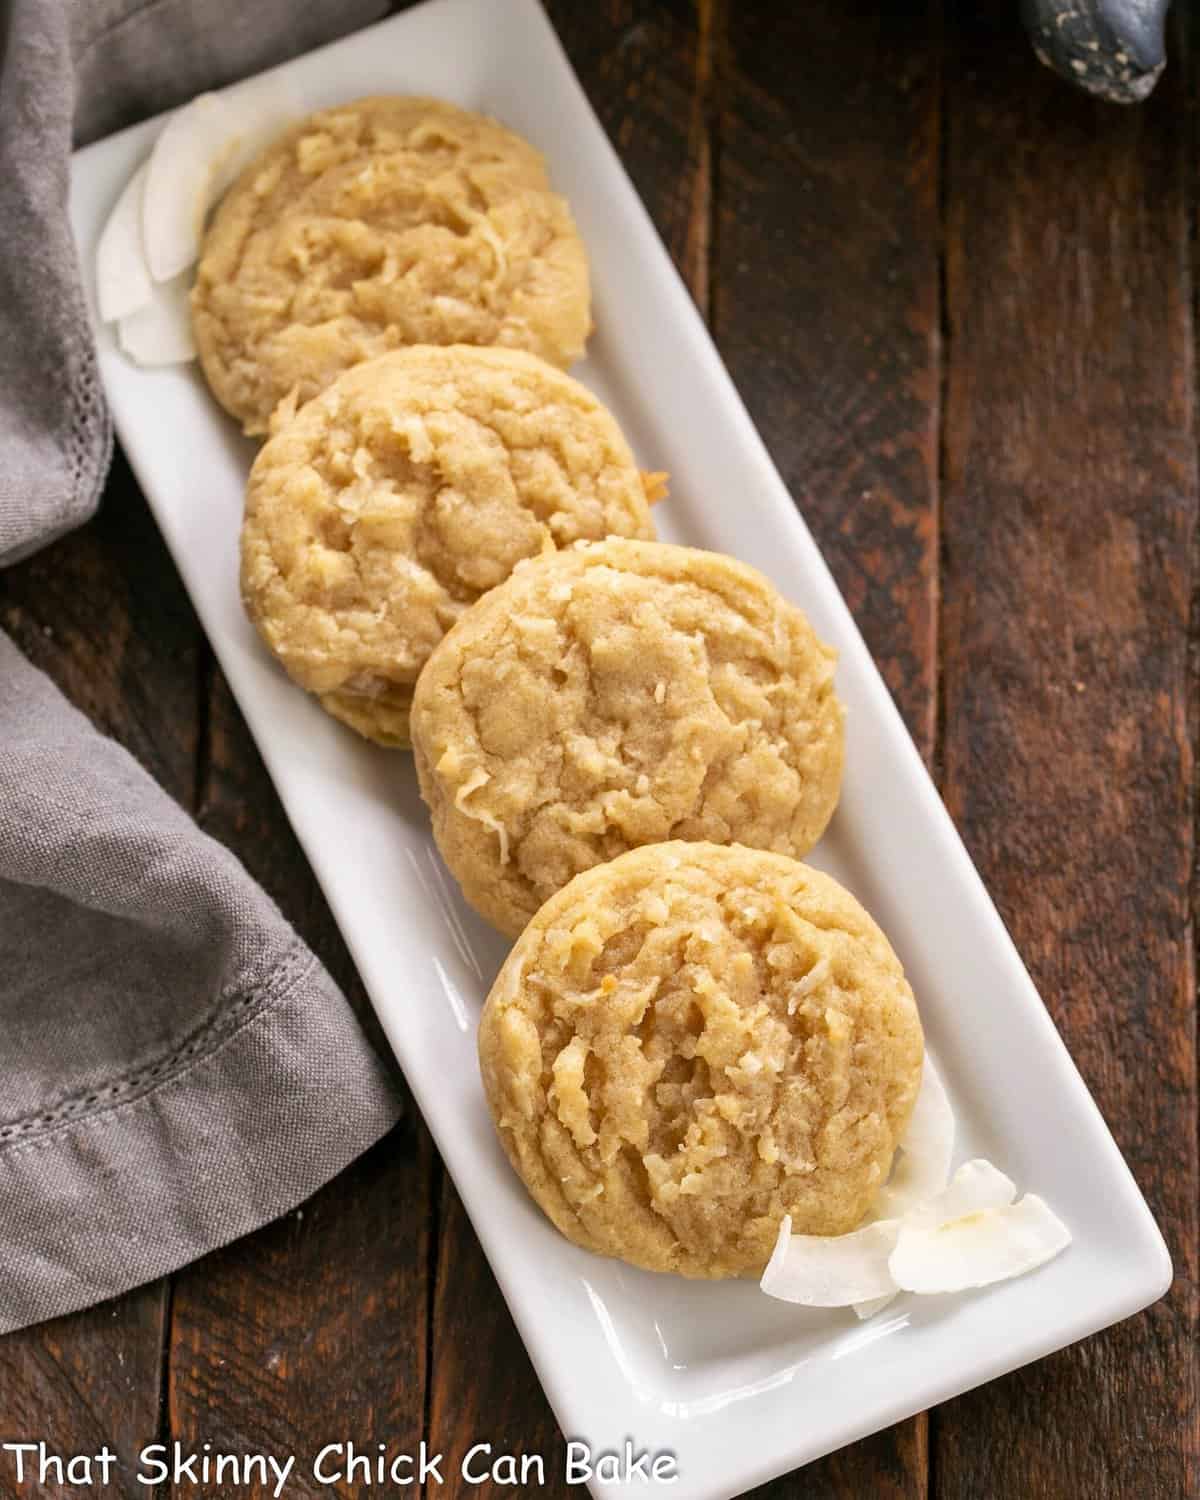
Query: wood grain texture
647, 67
80, 1384
483, 1388
314, 1330
1070, 510
102, 611
825, 308
825, 304
790, 157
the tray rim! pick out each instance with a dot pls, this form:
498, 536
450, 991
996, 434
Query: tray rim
526, 18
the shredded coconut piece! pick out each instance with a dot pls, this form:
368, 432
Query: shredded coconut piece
479, 777
816, 976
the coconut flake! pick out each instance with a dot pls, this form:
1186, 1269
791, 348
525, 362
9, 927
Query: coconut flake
978, 1249
161, 332
782, 1240
926, 1234
922, 1164
198, 153
976, 1187
479, 777
122, 278
819, 1270
179, 184
867, 1310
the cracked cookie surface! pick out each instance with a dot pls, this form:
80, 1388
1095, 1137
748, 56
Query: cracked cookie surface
692, 1041
382, 223
617, 694
383, 507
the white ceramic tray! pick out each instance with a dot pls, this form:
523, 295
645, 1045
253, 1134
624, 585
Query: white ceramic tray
739, 1387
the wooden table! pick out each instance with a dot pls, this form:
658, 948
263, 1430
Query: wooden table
958, 298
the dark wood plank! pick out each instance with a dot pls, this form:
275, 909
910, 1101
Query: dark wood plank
494, 1399
314, 1330
647, 67
825, 308
1070, 509
103, 612
83, 1384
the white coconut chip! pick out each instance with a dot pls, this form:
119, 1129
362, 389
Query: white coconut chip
161, 332
968, 1234
976, 1187
978, 1249
830, 1267
179, 183
122, 278
782, 1240
922, 1165
821, 1270
865, 1310
198, 153
972, 1234
153, 236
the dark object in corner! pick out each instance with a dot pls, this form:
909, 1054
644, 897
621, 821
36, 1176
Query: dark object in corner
1112, 48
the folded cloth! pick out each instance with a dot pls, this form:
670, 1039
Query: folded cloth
176, 1068
55, 438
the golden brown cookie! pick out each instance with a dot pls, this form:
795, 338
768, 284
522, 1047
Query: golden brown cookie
385, 222
617, 694
692, 1041
383, 507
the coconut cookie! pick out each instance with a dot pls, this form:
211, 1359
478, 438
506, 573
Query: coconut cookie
622, 693
386, 222
693, 1041
383, 507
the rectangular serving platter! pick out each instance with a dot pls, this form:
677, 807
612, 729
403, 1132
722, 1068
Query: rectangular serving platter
738, 1387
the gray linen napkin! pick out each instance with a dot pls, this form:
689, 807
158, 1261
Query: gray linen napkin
55, 438
176, 1068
